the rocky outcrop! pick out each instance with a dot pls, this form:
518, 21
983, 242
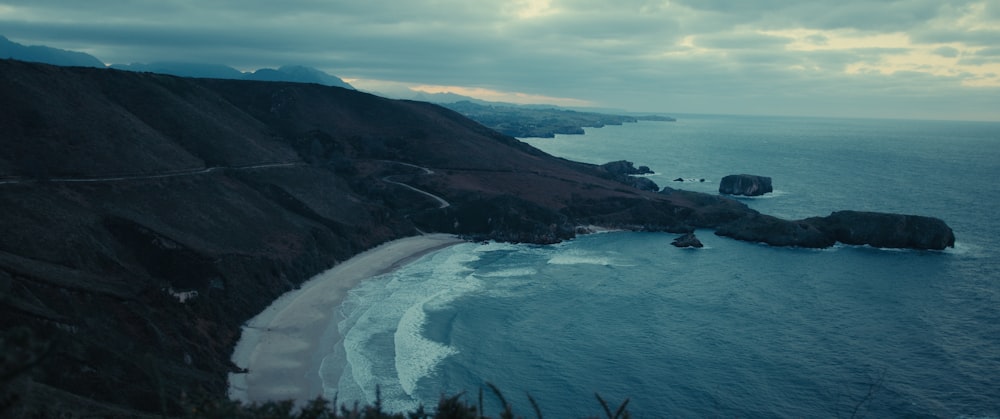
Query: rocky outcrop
774, 231
642, 184
623, 171
687, 240
848, 227
748, 185
625, 167
885, 230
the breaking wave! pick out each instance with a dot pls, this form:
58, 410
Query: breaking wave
386, 315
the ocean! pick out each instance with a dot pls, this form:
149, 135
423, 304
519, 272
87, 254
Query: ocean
735, 329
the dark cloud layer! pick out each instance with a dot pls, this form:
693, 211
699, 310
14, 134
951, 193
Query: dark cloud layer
892, 58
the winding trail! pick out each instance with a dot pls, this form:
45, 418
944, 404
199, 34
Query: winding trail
442, 203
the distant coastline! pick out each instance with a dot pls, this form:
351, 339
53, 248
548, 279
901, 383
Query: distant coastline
541, 122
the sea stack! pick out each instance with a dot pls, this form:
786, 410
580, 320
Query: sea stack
748, 185
687, 240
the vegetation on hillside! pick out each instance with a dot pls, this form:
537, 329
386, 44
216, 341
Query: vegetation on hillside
22, 351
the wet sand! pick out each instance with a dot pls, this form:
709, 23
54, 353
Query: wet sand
279, 347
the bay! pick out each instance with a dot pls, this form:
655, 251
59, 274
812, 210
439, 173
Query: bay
734, 329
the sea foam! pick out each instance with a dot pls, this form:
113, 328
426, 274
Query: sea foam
386, 316
416, 356
580, 258
508, 273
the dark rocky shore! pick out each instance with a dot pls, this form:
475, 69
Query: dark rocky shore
146, 217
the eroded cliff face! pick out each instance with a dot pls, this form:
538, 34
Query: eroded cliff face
876, 229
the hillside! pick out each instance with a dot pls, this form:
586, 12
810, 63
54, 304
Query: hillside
147, 216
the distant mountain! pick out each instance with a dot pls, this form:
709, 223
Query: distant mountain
297, 73
445, 97
48, 55
289, 73
55, 56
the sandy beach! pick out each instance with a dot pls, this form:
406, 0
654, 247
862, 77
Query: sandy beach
278, 347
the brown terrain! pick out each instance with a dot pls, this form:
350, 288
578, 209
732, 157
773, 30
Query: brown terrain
146, 217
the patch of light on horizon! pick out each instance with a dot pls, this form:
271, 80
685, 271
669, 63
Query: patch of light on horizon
392, 88
909, 57
502, 96
406, 90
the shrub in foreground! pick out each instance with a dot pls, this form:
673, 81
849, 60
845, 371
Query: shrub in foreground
452, 407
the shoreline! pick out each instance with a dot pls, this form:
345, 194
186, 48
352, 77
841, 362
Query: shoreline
278, 347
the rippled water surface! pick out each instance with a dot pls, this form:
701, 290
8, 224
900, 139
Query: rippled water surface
734, 329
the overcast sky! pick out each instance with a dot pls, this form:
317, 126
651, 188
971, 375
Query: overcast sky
867, 58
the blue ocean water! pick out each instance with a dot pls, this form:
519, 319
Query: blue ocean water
733, 329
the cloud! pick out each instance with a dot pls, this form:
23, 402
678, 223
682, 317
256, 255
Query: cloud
874, 15
947, 52
742, 40
989, 52
978, 37
763, 56
982, 57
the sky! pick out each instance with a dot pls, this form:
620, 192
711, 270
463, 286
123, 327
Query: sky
911, 59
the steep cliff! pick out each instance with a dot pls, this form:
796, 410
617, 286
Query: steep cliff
899, 231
